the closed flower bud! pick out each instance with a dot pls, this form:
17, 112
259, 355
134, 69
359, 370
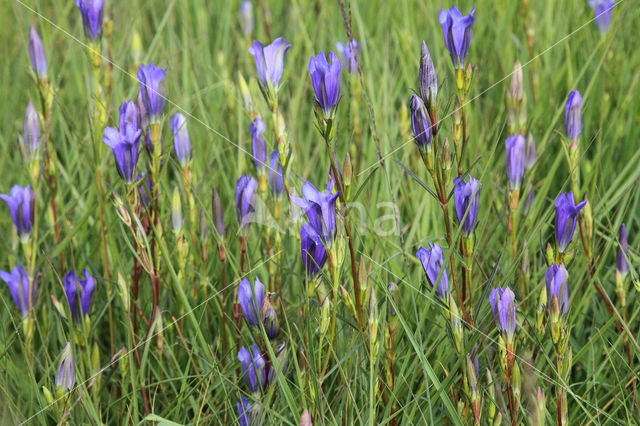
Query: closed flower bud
32, 134
516, 152
123, 291
557, 290
92, 15
258, 144
622, 254
349, 51
176, 210
181, 143
516, 381
427, 79
246, 17
245, 93
456, 29
218, 214
21, 203
565, 220
23, 291
573, 115
251, 299
504, 311
270, 319
245, 200
540, 407
532, 153
516, 90
456, 324
67, 370
602, 13
36, 52
432, 262
466, 195
420, 122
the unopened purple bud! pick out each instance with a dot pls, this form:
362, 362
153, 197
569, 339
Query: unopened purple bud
245, 200
516, 152
556, 279
152, 89
456, 29
248, 415
532, 153
348, 52
622, 266
36, 52
566, 216
504, 310
573, 115
251, 299
22, 290
276, 179
258, 144
217, 212
270, 60
466, 195
427, 79
72, 284
67, 370
432, 262
325, 78
246, 17
314, 254
181, 142
92, 14
32, 135
602, 13
21, 204
420, 122
270, 320
253, 369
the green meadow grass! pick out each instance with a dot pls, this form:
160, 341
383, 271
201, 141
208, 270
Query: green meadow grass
191, 379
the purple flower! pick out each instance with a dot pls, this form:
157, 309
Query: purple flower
152, 89
320, 208
32, 134
532, 153
253, 369
433, 263
622, 266
251, 299
92, 12
181, 143
420, 122
246, 17
21, 204
566, 216
144, 187
314, 254
466, 195
22, 291
504, 311
276, 179
602, 13
348, 51
67, 370
270, 60
258, 144
516, 153
217, 212
573, 115
456, 29
73, 283
247, 415
325, 78
270, 320
556, 279
427, 79
36, 52
245, 200
124, 142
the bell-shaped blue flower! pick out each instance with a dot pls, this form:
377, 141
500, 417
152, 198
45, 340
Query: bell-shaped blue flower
516, 157
622, 266
420, 122
325, 78
602, 13
245, 200
320, 208
92, 14
573, 115
566, 216
181, 143
251, 299
36, 52
21, 204
67, 370
556, 279
32, 132
72, 285
258, 144
253, 368
314, 255
432, 262
124, 141
466, 195
22, 290
504, 311
456, 29
152, 89
270, 61
348, 52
